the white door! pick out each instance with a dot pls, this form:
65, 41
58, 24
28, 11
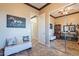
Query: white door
41, 28
34, 27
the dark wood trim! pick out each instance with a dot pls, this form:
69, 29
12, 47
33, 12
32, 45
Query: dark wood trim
33, 17
44, 6
67, 14
36, 7
31, 6
52, 16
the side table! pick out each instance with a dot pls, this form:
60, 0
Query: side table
1, 52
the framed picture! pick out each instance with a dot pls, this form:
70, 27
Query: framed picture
15, 22
51, 27
66, 28
72, 28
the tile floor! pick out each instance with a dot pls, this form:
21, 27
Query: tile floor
71, 47
40, 50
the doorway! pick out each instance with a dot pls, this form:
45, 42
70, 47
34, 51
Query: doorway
34, 27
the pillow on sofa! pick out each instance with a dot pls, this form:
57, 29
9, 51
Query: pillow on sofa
11, 41
25, 38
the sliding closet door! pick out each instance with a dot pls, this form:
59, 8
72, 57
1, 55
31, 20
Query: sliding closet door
72, 35
41, 28
57, 35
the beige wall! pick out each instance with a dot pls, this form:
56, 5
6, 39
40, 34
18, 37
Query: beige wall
74, 19
20, 10
52, 20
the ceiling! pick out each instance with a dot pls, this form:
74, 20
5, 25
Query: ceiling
38, 6
72, 9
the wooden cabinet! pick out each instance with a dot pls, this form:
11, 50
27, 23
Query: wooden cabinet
57, 29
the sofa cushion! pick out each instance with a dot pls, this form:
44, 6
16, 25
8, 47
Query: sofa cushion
11, 41
25, 38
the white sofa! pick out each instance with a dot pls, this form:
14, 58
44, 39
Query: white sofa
17, 48
52, 37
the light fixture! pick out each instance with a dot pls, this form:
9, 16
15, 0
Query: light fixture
65, 11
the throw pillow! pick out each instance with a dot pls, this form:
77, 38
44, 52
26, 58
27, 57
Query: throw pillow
11, 41
25, 38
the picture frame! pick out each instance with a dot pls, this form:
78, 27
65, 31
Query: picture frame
15, 22
51, 26
65, 28
72, 28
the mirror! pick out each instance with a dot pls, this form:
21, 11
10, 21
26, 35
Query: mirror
64, 35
